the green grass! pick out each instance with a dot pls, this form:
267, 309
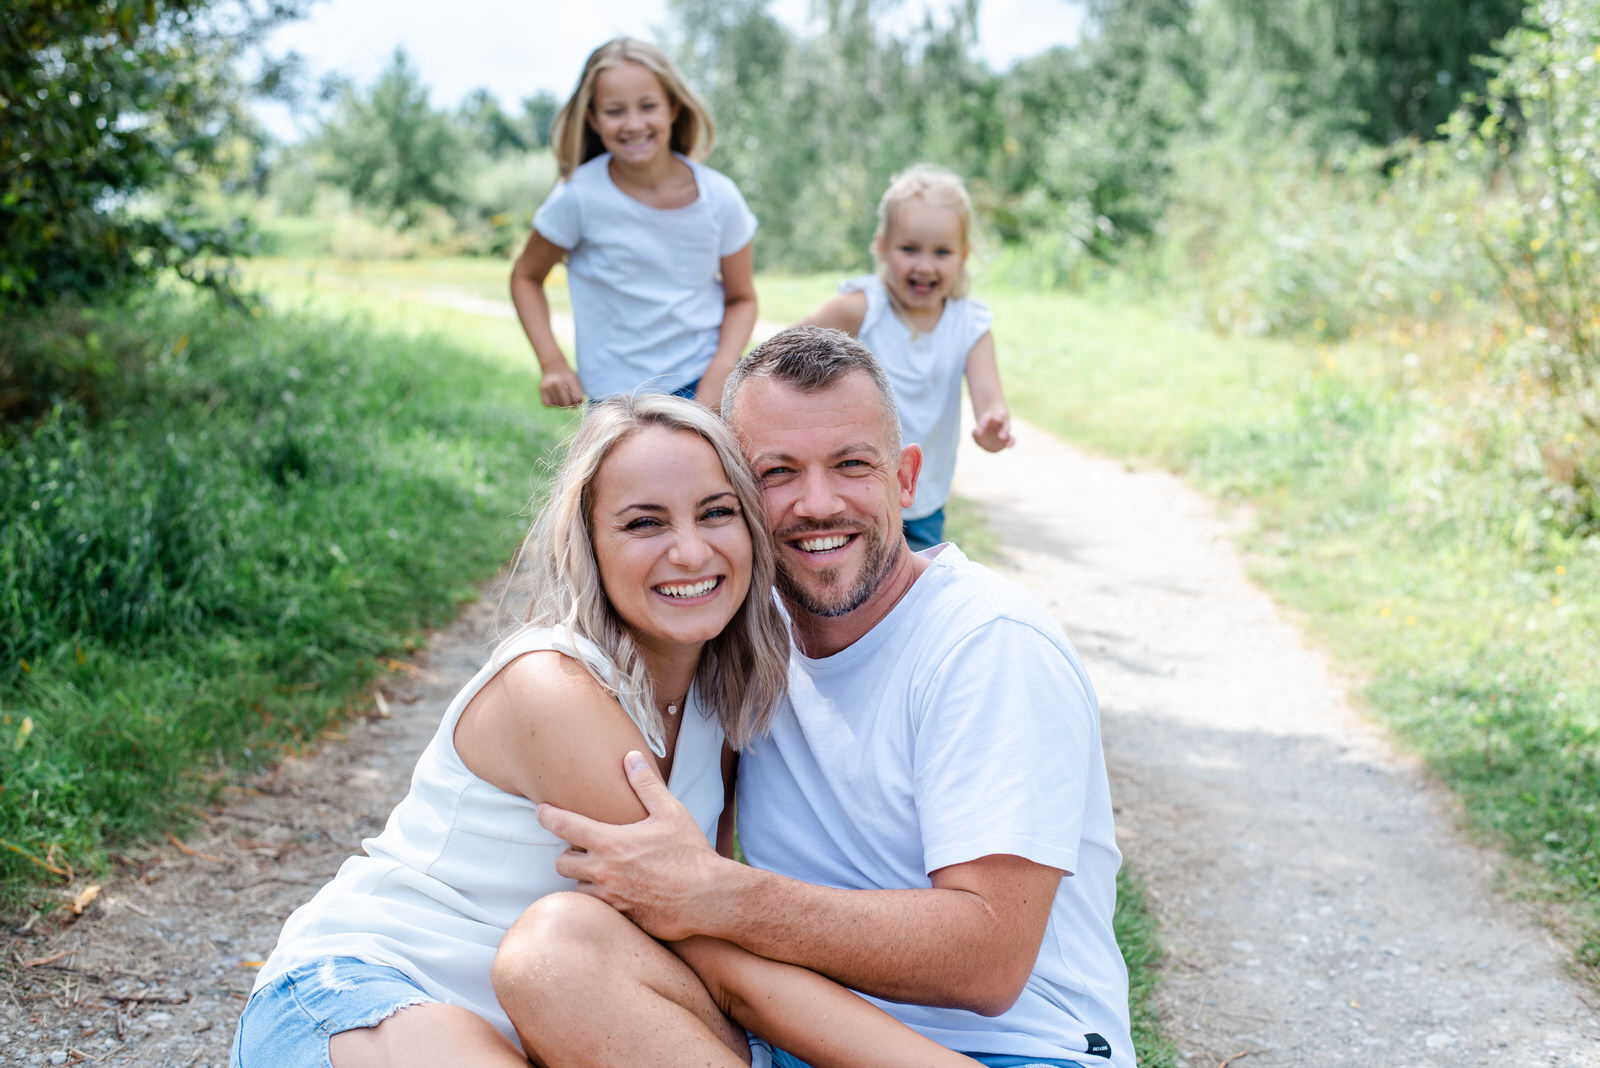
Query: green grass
1394, 511
212, 570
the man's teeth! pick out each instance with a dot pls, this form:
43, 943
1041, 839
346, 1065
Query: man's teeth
690, 589
822, 545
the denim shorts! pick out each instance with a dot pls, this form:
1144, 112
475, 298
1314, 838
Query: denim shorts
763, 1055
288, 1022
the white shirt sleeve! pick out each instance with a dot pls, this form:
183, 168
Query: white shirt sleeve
979, 320
559, 219
1004, 752
735, 220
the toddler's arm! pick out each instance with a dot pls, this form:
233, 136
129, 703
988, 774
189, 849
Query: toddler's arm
992, 419
558, 384
842, 311
809, 1015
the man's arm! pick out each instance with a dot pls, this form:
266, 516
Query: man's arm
969, 942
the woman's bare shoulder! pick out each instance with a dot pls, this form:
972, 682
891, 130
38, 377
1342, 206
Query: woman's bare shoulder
545, 728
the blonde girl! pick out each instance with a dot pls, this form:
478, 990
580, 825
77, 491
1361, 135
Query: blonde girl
917, 319
657, 245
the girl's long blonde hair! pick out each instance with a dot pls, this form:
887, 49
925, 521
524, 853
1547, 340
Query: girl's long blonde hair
742, 671
574, 141
932, 185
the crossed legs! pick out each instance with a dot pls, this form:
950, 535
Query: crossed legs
587, 989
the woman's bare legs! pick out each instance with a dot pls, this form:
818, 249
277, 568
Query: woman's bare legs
425, 1036
809, 1015
587, 989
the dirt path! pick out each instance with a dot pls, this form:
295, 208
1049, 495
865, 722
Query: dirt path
1316, 901
1317, 905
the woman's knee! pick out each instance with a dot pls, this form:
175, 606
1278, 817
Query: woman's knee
561, 942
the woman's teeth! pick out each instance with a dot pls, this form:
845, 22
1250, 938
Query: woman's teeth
689, 589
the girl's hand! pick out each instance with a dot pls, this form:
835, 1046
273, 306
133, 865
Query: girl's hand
993, 430
560, 389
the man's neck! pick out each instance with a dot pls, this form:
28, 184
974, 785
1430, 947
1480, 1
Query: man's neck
822, 636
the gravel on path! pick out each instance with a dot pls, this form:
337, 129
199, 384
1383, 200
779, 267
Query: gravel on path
1316, 899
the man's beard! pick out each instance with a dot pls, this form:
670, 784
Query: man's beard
877, 562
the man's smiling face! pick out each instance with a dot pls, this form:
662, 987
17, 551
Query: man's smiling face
833, 484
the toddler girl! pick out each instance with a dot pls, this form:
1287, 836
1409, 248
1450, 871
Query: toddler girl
916, 318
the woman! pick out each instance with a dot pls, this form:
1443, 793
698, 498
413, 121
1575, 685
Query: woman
652, 626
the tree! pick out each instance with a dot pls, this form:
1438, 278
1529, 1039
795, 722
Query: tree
105, 108
491, 130
812, 128
389, 148
538, 115
1383, 70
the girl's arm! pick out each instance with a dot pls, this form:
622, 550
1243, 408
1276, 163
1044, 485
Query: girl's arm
992, 419
810, 1016
558, 384
842, 311
738, 323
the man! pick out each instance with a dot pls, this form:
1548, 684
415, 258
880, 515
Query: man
936, 768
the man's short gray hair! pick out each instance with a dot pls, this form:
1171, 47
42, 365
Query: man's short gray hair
810, 359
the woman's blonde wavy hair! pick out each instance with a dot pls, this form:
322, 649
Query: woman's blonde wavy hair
574, 141
743, 671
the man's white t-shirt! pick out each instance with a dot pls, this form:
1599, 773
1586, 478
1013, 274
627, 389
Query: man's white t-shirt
925, 370
646, 283
962, 725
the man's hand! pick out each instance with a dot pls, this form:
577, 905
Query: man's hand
657, 871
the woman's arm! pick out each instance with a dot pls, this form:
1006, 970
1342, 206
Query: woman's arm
738, 323
814, 1018
991, 417
544, 729
558, 384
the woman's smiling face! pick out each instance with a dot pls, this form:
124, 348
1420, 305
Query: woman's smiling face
670, 539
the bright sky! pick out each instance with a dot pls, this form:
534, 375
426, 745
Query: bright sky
516, 49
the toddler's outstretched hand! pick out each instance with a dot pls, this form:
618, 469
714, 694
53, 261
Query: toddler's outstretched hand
993, 431
560, 389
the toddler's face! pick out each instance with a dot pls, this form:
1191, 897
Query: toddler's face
922, 254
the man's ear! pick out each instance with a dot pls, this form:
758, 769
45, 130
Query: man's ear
910, 468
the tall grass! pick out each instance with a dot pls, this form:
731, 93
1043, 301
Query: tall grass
206, 564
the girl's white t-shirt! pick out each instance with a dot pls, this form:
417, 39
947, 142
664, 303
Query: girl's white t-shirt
460, 859
646, 284
925, 371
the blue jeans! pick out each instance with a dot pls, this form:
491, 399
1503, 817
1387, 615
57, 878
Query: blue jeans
926, 532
